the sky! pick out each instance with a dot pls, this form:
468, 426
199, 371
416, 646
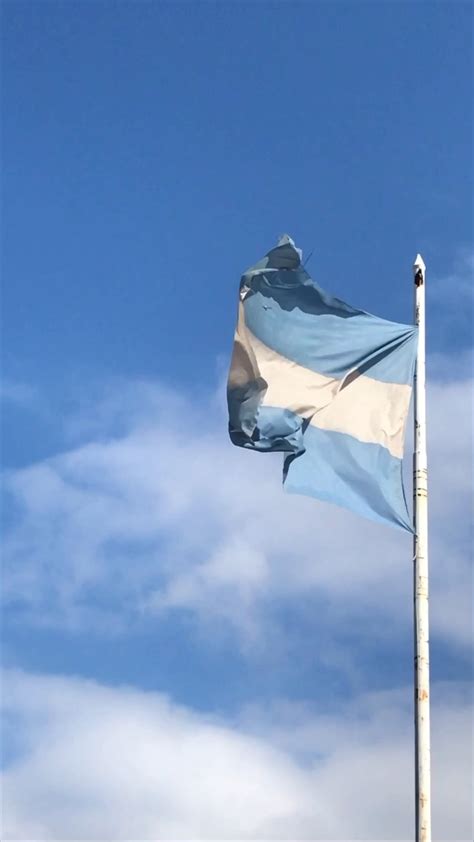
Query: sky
189, 653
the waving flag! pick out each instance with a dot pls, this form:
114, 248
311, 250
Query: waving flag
327, 384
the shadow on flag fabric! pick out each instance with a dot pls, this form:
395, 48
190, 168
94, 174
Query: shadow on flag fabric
327, 384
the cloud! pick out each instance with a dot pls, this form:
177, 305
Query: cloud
91, 762
157, 513
459, 283
18, 394
450, 315
457, 368
149, 514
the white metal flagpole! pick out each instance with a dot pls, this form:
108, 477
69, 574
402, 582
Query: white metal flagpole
420, 574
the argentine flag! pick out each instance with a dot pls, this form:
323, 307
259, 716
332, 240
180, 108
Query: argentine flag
327, 384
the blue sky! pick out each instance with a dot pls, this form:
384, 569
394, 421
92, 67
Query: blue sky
151, 153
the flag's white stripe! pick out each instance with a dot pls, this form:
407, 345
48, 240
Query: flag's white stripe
369, 410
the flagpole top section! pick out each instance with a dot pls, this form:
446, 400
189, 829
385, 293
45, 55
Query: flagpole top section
419, 270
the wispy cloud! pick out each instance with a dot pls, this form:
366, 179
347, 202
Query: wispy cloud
457, 285
20, 394
94, 763
451, 306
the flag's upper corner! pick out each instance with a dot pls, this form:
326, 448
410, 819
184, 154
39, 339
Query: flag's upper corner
285, 239
285, 255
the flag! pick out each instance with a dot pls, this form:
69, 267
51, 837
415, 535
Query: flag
327, 384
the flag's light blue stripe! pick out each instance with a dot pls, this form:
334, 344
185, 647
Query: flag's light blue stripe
328, 343
340, 469
296, 289
331, 466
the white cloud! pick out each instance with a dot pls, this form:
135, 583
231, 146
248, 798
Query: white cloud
92, 763
167, 515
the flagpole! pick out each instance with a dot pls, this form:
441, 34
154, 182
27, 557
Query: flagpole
420, 574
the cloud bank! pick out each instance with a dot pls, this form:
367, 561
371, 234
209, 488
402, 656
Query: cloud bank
155, 512
95, 763
148, 513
